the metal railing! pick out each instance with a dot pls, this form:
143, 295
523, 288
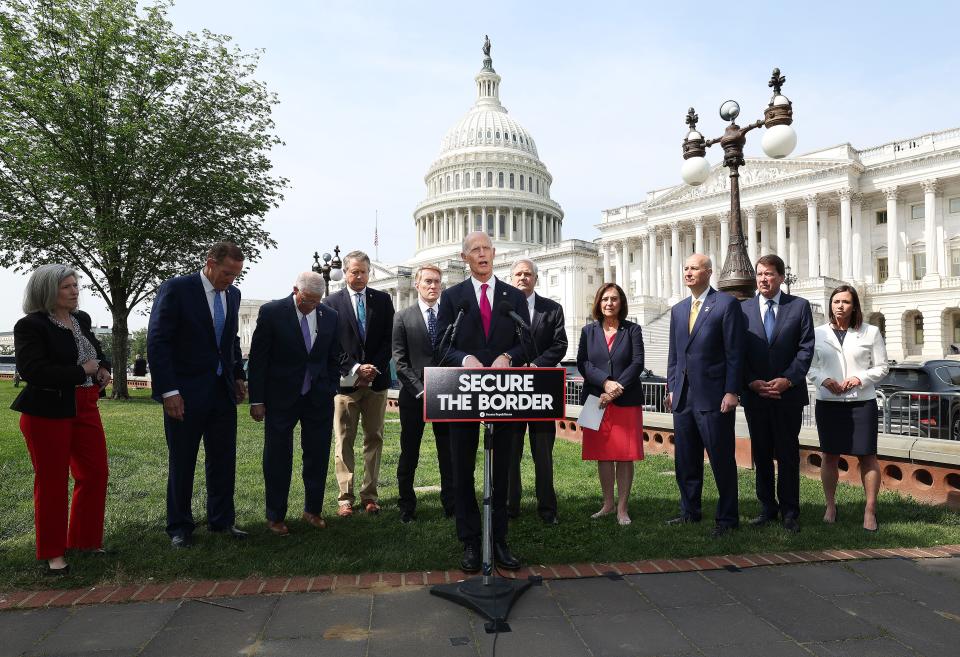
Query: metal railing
906, 412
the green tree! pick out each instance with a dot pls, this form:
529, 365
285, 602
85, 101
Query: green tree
127, 148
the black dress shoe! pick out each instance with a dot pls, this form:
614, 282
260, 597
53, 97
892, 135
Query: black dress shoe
721, 530
682, 520
550, 519
792, 525
232, 531
503, 557
407, 517
57, 572
471, 561
181, 542
760, 520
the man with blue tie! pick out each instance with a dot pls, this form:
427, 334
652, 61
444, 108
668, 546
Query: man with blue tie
194, 351
294, 375
779, 350
704, 365
366, 323
414, 339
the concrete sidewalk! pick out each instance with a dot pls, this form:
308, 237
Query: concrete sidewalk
878, 608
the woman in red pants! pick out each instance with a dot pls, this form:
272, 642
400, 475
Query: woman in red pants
64, 367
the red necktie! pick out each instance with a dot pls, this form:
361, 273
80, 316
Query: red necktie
485, 313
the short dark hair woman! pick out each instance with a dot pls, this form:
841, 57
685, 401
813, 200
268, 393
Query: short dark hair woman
610, 358
61, 360
849, 359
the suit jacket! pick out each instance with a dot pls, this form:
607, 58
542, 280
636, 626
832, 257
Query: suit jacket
863, 354
47, 361
622, 363
182, 346
706, 363
549, 332
788, 354
470, 339
412, 349
279, 358
375, 349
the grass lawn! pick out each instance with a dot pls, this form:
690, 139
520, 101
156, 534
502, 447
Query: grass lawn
135, 515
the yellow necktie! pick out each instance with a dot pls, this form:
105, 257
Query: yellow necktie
693, 315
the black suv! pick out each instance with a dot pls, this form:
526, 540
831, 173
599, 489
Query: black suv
922, 399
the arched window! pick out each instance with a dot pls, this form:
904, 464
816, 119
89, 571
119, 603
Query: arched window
538, 185
488, 133
500, 180
489, 178
479, 134
448, 183
503, 224
476, 182
521, 182
498, 134
478, 222
514, 135
918, 329
490, 225
511, 182
456, 181
466, 180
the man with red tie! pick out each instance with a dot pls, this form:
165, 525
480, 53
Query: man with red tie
483, 339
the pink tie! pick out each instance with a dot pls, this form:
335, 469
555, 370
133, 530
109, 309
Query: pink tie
485, 313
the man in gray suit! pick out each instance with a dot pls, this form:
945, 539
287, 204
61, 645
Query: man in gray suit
414, 337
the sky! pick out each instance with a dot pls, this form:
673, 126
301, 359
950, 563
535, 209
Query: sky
368, 89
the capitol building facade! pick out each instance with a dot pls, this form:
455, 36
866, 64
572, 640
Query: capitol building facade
884, 218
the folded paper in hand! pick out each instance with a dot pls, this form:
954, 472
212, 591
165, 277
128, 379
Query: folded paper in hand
591, 414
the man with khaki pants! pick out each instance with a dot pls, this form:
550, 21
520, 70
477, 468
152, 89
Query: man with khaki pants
366, 322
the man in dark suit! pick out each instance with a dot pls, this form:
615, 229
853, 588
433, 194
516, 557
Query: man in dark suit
779, 349
140, 366
485, 338
414, 337
548, 346
704, 365
194, 351
366, 322
294, 374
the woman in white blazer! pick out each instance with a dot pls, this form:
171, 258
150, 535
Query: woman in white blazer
849, 359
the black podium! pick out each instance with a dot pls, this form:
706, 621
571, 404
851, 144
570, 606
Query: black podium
490, 396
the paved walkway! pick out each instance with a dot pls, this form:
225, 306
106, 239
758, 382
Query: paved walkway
877, 607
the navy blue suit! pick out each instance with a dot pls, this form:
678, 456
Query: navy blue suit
775, 423
622, 363
184, 356
702, 366
465, 436
279, 362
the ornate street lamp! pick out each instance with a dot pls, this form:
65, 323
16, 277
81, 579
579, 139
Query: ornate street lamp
737, 276
789, 279
331, 269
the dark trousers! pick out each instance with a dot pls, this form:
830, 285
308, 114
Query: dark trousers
464, 441
774, 434
411, 434
695, 431
216, 426
542, 437
316, 428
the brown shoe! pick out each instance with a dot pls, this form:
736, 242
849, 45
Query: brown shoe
315, 520
278, 528
345, 510
371, 507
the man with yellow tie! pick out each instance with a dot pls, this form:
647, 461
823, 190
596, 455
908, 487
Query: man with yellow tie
703, 380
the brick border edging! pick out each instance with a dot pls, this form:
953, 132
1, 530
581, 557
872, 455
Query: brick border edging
302, 584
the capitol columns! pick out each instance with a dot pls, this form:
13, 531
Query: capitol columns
642, 284
794, 248
780, 206
893, 234
813, 239
846, 264
930, 228
676, 263
724, 239
751, 212
653, 289
607, 270
856, 237
625, 266
698, 245
618, 250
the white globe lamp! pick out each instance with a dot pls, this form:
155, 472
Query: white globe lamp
779, 141
695, 171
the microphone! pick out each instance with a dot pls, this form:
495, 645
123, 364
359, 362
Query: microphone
505, 309
451, 331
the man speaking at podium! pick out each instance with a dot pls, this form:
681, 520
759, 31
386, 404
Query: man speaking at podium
483, 337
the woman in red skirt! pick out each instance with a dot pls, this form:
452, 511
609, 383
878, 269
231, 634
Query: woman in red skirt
610, 358
64, 367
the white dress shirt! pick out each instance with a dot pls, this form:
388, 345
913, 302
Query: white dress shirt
311, 322
424, 307
531, 300
763, 305
491, 283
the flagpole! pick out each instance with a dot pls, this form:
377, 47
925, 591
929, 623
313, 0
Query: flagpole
376, 237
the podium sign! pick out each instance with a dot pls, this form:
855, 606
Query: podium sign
515, 394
